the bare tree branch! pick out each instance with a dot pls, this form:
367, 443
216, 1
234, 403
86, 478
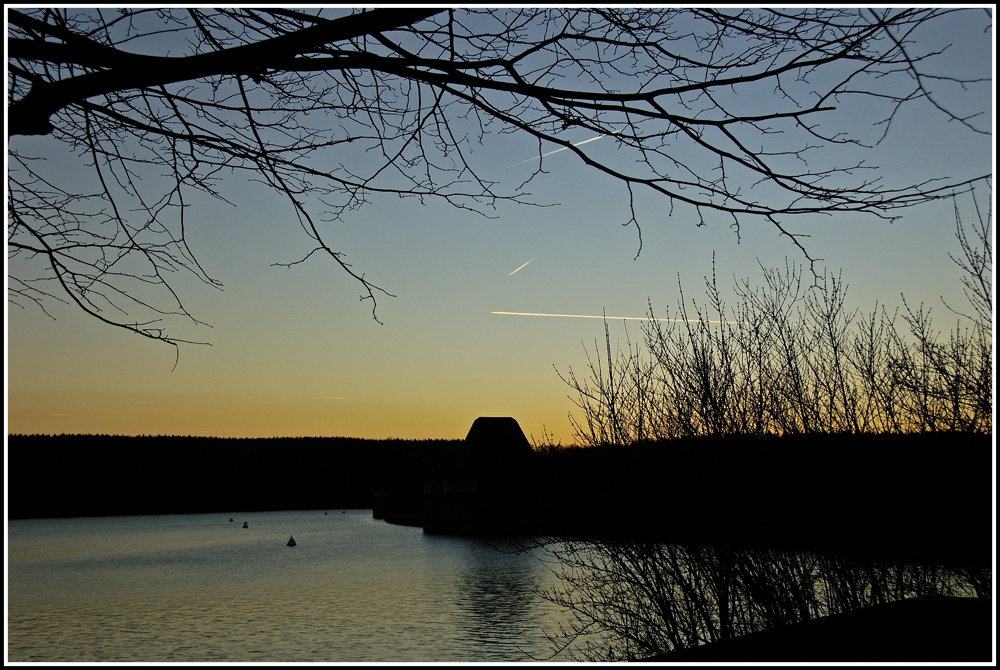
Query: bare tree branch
160, 102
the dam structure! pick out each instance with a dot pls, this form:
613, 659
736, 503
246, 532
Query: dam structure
480, 488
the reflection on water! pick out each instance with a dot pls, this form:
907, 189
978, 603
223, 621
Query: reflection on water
495, 595
198, 588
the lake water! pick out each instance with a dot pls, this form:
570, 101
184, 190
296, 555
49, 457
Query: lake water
198, 588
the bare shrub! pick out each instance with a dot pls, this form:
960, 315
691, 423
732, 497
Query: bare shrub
631, 601
788, 358
791, 358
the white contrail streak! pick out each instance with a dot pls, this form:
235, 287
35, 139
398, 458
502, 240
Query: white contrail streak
554, 151
600, 316
522, 267
576, 316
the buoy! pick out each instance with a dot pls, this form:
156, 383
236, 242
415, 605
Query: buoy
325, 513
230, 519
343, 512
291, 541
245, 525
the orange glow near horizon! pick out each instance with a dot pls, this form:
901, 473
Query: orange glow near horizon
260, 416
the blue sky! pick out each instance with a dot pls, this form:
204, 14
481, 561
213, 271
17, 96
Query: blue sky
294, 352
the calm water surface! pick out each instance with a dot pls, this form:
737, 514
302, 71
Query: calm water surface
199, 588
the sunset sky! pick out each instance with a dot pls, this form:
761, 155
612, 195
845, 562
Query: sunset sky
295, 353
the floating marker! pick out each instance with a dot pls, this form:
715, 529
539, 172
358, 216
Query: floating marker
230, 519
291, 541
245, 525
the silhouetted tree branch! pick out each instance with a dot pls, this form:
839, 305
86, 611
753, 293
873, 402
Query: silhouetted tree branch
633, 600
158, 103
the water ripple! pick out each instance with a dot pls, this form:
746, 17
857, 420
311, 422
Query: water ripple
193, 589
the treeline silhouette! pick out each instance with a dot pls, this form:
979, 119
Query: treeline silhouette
105, 475
927, 496
924, 496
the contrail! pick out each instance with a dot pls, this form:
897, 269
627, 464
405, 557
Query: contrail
522, 266
600, 316
555, 151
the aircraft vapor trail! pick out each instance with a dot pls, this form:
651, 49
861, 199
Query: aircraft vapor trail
599, 316
520, 268
554, 151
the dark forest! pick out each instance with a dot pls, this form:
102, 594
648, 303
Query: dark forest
926, 495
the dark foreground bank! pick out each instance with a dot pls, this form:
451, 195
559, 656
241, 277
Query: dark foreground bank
918, 630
